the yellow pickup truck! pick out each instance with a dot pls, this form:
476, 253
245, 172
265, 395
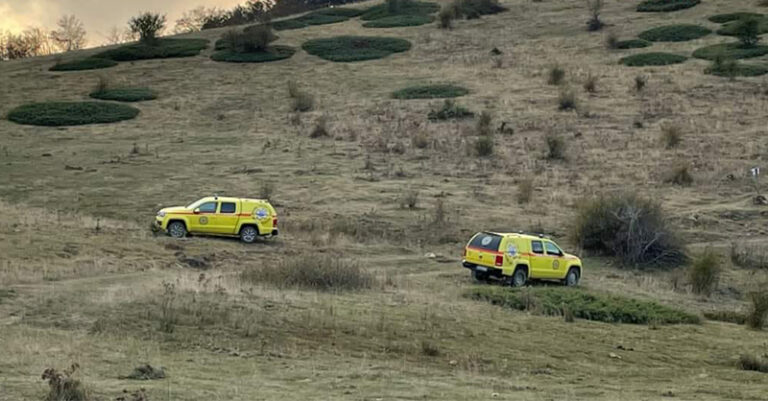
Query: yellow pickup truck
221, 216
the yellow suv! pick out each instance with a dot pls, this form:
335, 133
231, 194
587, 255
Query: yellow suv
233, 217
517, 258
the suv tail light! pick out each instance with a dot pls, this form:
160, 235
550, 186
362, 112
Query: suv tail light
274, 222
499, 260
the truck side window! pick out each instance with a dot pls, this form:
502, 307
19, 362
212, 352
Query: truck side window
552, 249
208, 207
537, 247
227, 207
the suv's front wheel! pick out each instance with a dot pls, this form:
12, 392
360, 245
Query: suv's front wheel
572, 279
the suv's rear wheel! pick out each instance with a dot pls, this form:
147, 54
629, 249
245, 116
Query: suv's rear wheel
177, 229
248, 234
572, 279
479, 276
519, 277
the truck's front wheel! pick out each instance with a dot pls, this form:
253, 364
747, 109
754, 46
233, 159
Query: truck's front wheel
177, 229
248, 234
572, 279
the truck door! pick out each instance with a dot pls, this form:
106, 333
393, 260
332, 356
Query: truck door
201, 221
556, 259
225, 220
540, 265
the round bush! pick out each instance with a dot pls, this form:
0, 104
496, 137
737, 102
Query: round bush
125, 94
355, 48
430, 92
730, 51
399, 21
288, 24
732, 28
405, 8
649, 59
666, 5
733, 69
632, 44
161, 48
57, 114
723, 18
84, 64
674, 33
274, 53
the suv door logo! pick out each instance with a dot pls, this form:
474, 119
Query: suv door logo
203, 220
555, 264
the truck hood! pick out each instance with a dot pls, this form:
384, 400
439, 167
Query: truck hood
174, 209
570, 256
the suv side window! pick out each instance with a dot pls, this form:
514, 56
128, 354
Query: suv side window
208, 207
552, 249
537, 247
227, 207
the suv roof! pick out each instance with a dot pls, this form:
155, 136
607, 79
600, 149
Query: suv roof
228, 199
519, 235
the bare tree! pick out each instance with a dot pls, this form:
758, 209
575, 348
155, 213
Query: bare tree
17, 46
70, 35
38, 41
116, 36
193, 20
595, 9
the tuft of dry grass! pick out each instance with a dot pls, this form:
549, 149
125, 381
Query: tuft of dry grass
671, 135
758, 309
680, 175
312, 272
556, 147
590, 84
556, 76
409, 199
749, 255
64, 386
301, 100
321, 128
567, 100
704, 273
640, 82
524, 191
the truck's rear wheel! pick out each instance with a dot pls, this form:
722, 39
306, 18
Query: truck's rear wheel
572, 279
177, 229
248, 234
519, 277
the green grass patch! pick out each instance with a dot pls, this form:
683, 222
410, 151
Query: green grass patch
450, 111
342, 12
57, 114
726, 316
400, 20
430, 92
730, 51
320, 17
731, 28
661, 6
723, 18
731, 68
674, 33
273, 53
355, 48
90, 63
632, 44
162, 48
582, 304
650, 59
409, 7
125, 94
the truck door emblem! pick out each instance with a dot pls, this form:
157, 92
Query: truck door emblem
555, 264
203, 220
261, 213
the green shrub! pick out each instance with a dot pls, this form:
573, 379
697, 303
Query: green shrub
90, 63
652, 59
450, 110
484, 145
312, 272
401, 7
732, 68
674, 33
483, 124
671, 135
355, 48
633, 230
723, 18
730, 51
556, 147
160, 48
632, 44
556, 75
640, 82
313, 18
56, 114
148, 26
273, 53
733, 28
666, 5
758, 309
399, 21
566, 100
430, 92
125, 94
748, 31
704, 273
753, 363
583, 304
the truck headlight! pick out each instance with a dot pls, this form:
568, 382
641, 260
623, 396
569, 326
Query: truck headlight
161, 214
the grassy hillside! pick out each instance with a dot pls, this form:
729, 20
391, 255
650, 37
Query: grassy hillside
83, 280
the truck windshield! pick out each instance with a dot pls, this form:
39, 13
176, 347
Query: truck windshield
486, 241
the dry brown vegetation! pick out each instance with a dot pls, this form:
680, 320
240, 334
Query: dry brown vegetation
83, 279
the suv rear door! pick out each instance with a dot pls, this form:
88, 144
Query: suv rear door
483, 249
225, 220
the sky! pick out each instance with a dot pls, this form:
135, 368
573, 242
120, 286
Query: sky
99, 16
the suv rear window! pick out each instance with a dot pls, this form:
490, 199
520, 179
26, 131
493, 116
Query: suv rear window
485, 241
227, 207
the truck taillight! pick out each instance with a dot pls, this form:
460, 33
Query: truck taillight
499, 260
274, 222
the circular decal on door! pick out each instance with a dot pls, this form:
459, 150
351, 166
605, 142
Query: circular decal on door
203, 220
556, 264
260, 213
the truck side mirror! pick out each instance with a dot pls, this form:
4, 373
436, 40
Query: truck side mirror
197, 210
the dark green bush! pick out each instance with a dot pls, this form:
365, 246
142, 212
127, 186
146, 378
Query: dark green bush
450, 110
583, 304
341, 12
148, 26
748, 31
56, 114
471, 9
90, 63
753, 363
313, 18
125, 94
312, 272
732, 68
730, 51
399, 21
430, 92
633, 230
652, 59
273, 53
355, 48
556, 147
632, 44
160, 48
484, 145
674, 33
704, 273
732, 28
402, 7
666, 5
723, 18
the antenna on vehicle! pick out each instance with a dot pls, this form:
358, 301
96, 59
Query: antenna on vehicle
215, 196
